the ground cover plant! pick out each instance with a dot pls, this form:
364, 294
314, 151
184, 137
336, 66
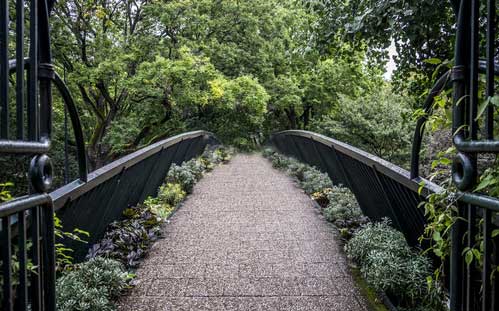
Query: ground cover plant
385, 260
96, 283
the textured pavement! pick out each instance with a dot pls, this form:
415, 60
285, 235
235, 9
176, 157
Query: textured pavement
246, 239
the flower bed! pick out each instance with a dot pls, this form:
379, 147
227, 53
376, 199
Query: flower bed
384, 258
96, 283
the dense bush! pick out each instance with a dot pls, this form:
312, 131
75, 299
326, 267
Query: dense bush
403, 278
196, 167
181, 175
344, 211
342, 205
314, 180
91, 285
297, 169
279, 161
377, 236
390, 265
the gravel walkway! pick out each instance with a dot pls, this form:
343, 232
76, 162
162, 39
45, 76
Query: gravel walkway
246, 239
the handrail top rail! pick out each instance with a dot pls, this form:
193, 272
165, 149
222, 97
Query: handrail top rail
77, 188
393, 171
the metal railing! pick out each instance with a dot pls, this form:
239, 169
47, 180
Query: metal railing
27, 231
27, 251
381, 188
94, 204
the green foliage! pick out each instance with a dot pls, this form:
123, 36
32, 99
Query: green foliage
399, 276
342, 205
242, 103
196, 167
128, 239
311, 179
377, 123
391, 266
314, 181
297, 169
379, 23
4, 192
62, 253
377, 236
181, 175
91, 285
171, 194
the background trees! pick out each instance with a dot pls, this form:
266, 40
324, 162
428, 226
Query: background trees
143, 70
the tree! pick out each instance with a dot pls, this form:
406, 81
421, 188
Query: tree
378, 122
420, 30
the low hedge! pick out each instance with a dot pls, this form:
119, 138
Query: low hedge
385, 259
93, 285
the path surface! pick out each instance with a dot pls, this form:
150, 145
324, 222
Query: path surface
246, 239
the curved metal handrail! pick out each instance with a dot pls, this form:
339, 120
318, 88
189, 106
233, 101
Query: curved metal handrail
73, 115
78, 188
391, 170
439, 86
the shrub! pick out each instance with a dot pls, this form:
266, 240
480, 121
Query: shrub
377, 236
315, 181
401, 277
390, 265
182, 176
297, 169
196, 167
279, 161
127, 240
342, 205
267, 152
171, 194
91, 285
158, 207
220, 155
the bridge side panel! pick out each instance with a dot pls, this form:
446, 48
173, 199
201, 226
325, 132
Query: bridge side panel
306, 148
158, 174
331, 164
379, 195
105, 203
364, 184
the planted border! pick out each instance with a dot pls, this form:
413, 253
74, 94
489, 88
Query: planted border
385, 260
96, 283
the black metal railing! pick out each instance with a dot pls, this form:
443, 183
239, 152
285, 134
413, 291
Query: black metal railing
27, 226
381, 188
27, 242
92, 205
470, 288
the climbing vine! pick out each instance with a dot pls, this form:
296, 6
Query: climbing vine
440, 208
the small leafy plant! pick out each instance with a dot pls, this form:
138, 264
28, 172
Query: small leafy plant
127, 240
182, 176
92, 285
389, 265
314, 181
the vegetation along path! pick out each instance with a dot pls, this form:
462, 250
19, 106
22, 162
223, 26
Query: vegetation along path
246, 239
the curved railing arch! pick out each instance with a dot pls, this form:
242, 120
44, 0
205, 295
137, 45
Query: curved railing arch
92, 205
73, 116
382, 189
